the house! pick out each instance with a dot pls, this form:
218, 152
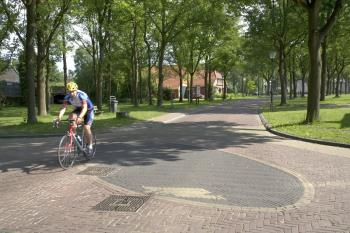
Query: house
10, 83
172, 81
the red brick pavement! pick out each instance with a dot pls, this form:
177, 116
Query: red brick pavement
62, 201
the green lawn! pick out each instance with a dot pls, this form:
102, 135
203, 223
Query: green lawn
334, 124
13, 119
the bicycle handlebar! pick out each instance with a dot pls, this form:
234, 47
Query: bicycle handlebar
56, 122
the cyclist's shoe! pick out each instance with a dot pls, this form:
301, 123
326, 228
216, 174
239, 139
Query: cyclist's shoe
89, 150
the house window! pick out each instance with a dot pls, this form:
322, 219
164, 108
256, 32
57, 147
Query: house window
220, 82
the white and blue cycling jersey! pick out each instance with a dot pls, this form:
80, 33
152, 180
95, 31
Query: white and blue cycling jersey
77, 101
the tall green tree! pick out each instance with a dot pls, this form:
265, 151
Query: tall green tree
49, 16
226, 53
12, 11
166, 16
317, 32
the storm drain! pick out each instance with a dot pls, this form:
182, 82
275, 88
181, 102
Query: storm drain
122, 203
97, 171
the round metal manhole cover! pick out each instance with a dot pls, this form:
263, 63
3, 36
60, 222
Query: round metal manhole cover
213, 177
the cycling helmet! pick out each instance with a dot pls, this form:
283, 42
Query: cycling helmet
72, 86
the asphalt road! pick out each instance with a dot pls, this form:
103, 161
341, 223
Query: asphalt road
183, 159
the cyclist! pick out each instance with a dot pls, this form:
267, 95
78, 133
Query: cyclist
84, 110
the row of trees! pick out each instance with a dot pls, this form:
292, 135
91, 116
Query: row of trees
119, 41
299, 31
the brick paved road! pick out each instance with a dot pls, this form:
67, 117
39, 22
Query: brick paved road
37, 196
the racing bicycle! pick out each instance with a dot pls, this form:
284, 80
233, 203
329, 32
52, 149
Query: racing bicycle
72, 145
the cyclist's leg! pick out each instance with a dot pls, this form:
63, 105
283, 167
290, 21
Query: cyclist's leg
88, 119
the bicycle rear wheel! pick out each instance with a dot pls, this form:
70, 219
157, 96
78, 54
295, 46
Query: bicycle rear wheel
67, 151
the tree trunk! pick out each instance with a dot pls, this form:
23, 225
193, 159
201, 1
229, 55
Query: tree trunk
290, 76
294, 84
290, 85
64, 57
181, 84
149, 79
94, 63
210, 92
47, 84
160, 73
140, 81
324, 70
149, 64
190, 93
314, 82
41, 79
206, 92
135, 78
294, 77
282, 74
337, 86
225, 86
40, 62
29, 60
303, 86
100, 65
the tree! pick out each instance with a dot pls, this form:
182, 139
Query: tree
48, 18
29, 59
317, 33
166, 15
226, 53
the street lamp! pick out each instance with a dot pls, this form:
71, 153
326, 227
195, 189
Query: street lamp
272, 56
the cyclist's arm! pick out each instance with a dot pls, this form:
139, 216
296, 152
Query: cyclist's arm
63, 110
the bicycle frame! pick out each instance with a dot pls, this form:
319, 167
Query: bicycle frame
71, 146
73, 135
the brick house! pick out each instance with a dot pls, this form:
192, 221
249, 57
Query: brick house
10, 83
172, 81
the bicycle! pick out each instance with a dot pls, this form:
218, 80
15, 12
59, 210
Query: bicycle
72, 145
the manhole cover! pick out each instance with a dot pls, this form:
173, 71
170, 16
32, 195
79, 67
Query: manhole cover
97, 171
122, 203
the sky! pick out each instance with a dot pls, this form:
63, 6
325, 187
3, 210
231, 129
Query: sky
70, 62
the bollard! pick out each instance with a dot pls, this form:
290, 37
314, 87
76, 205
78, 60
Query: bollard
113, 104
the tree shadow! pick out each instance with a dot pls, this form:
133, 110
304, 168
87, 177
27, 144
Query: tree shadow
29, 155
345, 122
143, 143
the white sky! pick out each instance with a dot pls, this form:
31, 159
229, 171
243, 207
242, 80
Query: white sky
70, 62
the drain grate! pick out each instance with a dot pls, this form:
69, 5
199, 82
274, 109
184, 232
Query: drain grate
122, 203
97, 171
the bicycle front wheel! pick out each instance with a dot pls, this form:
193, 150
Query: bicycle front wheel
67, 151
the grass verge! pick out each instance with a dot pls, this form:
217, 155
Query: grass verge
334, 123
13, 119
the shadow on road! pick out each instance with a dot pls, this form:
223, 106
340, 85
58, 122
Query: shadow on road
146, 142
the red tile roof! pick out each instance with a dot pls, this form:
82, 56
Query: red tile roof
172, 79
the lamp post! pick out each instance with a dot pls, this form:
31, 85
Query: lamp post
272, 56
